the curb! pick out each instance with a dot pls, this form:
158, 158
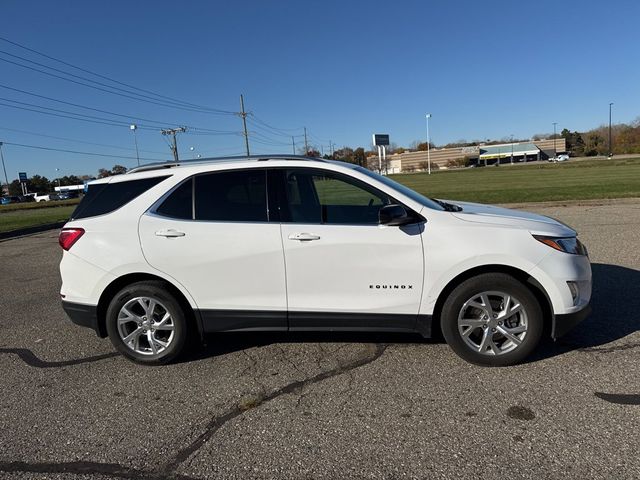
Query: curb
30, 230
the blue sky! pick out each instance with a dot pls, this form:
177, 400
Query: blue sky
344, 69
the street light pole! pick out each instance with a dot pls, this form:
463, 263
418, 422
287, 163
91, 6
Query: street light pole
428, 145
135, 140
512, 149
610, 148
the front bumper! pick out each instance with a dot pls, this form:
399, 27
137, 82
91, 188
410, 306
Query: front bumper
84, 315
563, 323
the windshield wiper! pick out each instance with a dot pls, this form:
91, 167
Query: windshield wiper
449, 207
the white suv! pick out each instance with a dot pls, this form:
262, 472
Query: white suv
172, 251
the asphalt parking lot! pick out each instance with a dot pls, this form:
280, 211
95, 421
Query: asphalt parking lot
323, 406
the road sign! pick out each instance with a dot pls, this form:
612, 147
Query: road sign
380, 139
23, 176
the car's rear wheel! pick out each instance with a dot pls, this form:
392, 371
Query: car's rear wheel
146, 323
492, 319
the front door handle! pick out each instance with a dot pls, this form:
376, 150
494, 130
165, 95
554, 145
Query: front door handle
169, 233
304, 237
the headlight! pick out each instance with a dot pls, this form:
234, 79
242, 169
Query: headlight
567, 244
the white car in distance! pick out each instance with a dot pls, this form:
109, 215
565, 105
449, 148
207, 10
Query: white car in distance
172, 251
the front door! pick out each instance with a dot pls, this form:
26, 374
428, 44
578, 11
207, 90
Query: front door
343, 270
212, 235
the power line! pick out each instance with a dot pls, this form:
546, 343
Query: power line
74, 140
175, 102
286, 132
128, 117
266, 131
105, 90
110, 123
103, 119
39, 147
92, 118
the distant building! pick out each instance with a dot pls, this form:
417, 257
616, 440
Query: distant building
486, 154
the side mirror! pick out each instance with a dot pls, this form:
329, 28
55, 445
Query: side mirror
393, 215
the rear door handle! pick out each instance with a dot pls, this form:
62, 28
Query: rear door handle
304, 237
169, 233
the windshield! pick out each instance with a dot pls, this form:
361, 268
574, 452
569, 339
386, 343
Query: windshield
412, 194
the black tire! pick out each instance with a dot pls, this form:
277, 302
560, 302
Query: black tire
159, 292
492, 282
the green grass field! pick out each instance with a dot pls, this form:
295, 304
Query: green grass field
29, 217
588, 179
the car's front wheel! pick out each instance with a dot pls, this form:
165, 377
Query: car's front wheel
146, 323
492, 319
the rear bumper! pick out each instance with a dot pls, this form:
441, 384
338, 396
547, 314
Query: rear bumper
83, 315
563, 323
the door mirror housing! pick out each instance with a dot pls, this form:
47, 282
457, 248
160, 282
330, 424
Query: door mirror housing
393, 215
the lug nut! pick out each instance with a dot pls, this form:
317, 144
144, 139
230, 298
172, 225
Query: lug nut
493, 330
484, 326
500, 323
495, 315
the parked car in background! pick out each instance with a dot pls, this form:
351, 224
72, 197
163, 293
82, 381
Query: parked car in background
11, 199
67, 195
562, 158
171, 251
41, 197
26, 198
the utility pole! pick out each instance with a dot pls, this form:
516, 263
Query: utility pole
610, 147
6, 179
331, 147
293, 144
555, 152
173, 132
306, 146
243, 114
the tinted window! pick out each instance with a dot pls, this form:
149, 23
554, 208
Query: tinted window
239, 196
107, 197
313, 196
179, 204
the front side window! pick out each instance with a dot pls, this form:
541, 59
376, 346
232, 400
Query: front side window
316, 196
232, 196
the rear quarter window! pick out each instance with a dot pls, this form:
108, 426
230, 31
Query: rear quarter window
105, 198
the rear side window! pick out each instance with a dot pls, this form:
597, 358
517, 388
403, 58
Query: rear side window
234, 196
106, 197
179, 204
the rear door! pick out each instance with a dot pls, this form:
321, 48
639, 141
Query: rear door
212, 234
343, 270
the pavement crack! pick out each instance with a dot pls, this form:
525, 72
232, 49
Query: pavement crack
218, 422
28, 357
89, 468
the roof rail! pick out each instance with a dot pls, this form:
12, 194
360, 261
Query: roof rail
198, 161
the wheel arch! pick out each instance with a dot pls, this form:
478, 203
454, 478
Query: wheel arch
527, 280
121, 282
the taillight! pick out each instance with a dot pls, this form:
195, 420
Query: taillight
69, 236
